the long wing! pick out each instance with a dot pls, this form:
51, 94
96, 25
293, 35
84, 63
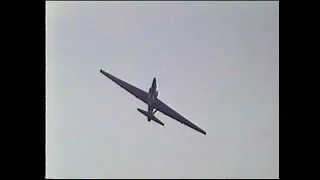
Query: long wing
157, 104
140, 94
165, 109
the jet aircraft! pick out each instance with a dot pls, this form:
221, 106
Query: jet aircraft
154, 104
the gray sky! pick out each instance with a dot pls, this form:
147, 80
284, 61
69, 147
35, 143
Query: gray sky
216, 63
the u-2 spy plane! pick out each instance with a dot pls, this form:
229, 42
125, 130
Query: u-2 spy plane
154, 104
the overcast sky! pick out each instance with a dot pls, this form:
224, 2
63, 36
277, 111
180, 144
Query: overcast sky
216, 63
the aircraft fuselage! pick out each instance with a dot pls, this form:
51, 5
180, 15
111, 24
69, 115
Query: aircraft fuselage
153, 94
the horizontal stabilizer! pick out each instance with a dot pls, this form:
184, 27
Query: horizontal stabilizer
154, 118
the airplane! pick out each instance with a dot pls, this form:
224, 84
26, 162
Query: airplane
154, 104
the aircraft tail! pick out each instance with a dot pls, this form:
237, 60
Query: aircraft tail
151, 116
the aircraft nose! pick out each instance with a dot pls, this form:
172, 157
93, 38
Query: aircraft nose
154, 81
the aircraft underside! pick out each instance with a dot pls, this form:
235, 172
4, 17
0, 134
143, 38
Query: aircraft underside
154, 104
